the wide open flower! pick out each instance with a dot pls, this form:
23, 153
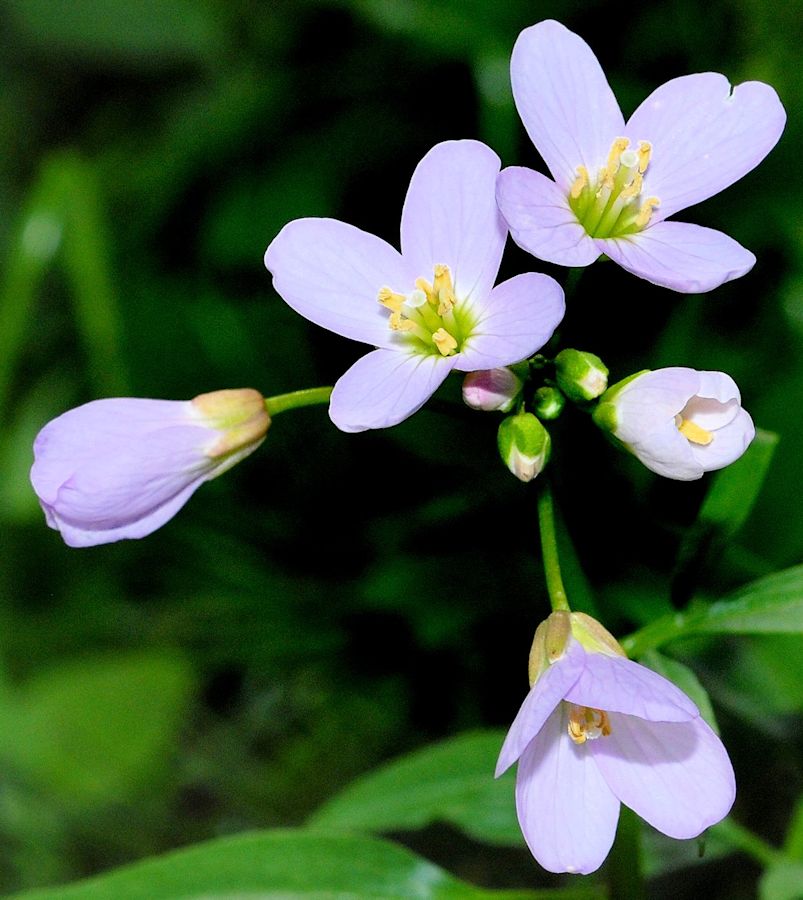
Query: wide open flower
615, 183
120, 468
431, 308
679, 422
597, 730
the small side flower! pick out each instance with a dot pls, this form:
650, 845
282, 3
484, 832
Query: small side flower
679, 422
122, 467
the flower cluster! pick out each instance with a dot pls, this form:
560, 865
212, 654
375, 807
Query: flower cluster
596, 729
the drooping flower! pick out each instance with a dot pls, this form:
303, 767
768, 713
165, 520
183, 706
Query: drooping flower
122, 467
616, 183
679, 422
597, 730
430, 309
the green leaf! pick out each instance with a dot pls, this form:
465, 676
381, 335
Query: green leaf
685, 679
735, 489
730, 499
770, 605
287, 864
793, 844
782, 881
450, 782
94, 730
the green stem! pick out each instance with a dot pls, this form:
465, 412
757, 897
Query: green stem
549, 548
296, 399
572, 280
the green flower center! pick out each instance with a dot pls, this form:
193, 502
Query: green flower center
430, 317
611, 205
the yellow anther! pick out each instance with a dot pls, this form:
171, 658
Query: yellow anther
587, 724
423, 285
618, 147
390, 299
399, 323
634, 188
644, 153
443, 290
645, 213
580, 182
444, 341
694, 433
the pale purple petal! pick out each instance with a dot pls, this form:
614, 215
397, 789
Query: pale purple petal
719, 386
728, 444
518, 318
567, 812
80, 533
564, 100
64, 444
450, 217
540, 220
385, 387
668, 453
548, 691
331, 273
704, 137
683, 257
675, 775
651, 401
616, 684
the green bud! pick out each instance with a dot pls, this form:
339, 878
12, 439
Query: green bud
548, 403
524, 445
582, 376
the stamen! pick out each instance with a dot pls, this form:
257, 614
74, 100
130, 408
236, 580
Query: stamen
645, 213
587, 724
633, 189
580, 182
423, 285
443, 290
444, 341
399, 323
390, 299
694, 433
644, 153
617, 148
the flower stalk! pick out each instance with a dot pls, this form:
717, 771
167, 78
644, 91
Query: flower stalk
549, 548
296, 399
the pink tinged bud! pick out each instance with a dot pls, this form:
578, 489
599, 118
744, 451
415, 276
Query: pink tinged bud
491, 389
524, 445
122, 467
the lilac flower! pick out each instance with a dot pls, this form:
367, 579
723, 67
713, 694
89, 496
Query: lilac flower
597, 730
679, 422
431, 308
121, 468
615, 183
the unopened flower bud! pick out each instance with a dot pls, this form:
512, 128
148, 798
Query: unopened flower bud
491, 389
524, 445
548, 403
582, 376
679, 422
122, 467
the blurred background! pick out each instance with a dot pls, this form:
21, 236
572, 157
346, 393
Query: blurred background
339, 599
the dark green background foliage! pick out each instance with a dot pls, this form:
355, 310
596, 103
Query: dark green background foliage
337, 600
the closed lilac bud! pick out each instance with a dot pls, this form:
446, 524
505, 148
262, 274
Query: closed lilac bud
122, 467
491, 389
581, 375
679, 422
524, 445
